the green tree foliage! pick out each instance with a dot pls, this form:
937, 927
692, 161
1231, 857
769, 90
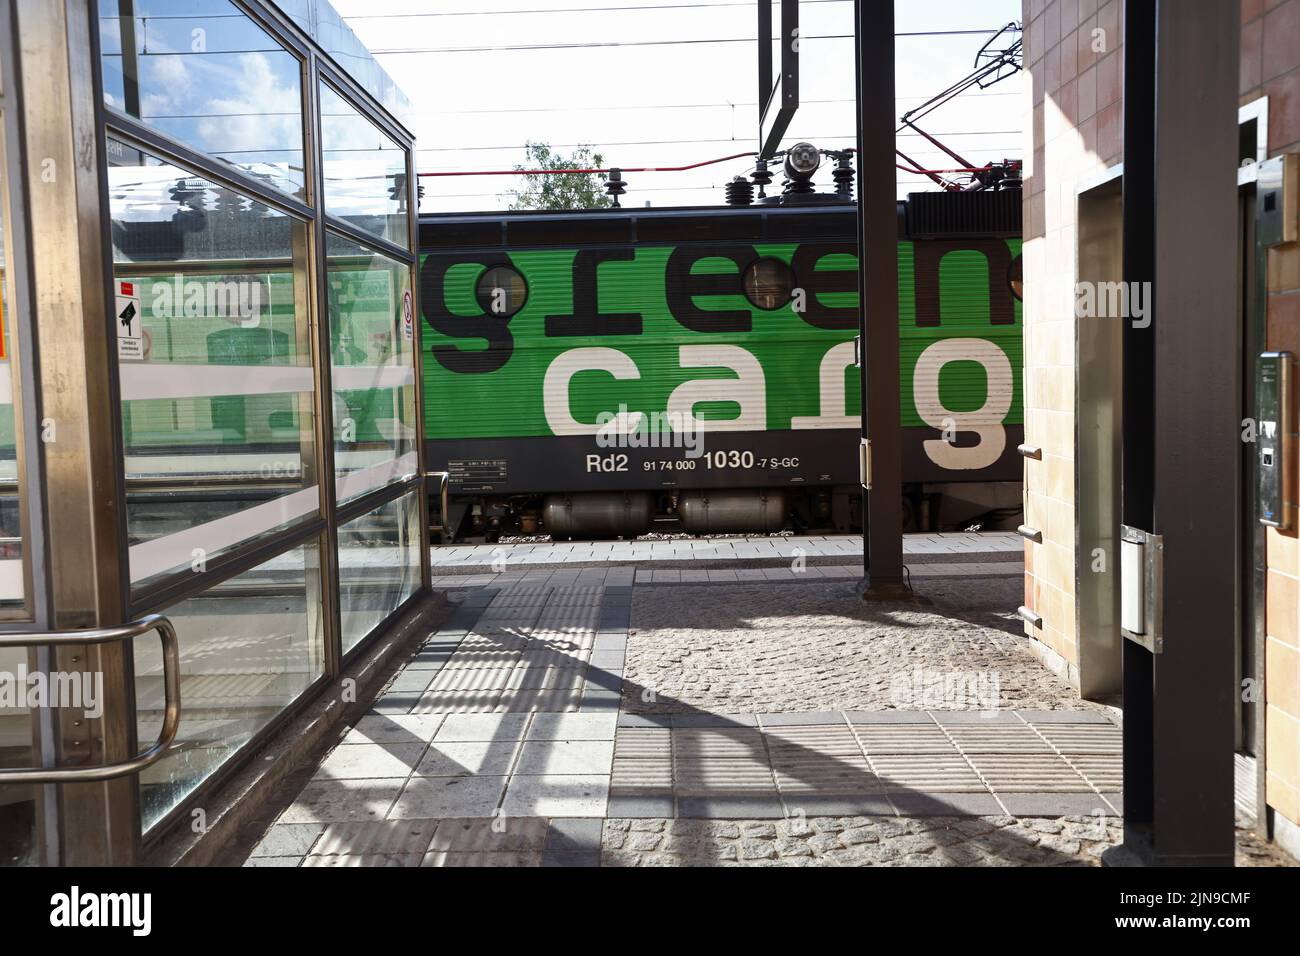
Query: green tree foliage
552, 191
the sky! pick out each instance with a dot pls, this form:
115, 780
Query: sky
661, 103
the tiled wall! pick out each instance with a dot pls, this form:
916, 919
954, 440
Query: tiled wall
1076, 117
1072, 53
1270, 66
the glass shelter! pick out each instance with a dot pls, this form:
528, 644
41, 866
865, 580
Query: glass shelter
211, 485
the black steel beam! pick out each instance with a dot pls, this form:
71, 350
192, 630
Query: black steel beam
878, 292
1181, 395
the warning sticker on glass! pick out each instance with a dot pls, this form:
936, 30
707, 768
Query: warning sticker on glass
129, 321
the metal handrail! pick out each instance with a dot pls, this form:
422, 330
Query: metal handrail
171, 697
444, 501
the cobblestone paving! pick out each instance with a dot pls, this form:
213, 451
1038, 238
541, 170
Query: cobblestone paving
778, 648
861, 841
884, 841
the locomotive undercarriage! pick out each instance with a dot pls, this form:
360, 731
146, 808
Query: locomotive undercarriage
632, 514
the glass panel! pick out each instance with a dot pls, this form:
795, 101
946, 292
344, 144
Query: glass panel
17, 737
365, 171
379, 566
372, 350
203, 73
12, 586
18, 819
249, 648
214, 354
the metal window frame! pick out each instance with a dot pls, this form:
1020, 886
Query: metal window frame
29, 459
322, 529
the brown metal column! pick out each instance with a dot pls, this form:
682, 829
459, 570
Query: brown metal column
878, 292
78, 410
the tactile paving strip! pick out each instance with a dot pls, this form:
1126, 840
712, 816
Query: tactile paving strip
529, 649
909, 756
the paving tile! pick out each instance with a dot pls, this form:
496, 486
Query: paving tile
904, 739
1083, 738
566, 757
458, 702
479, 727
411, 681
643, 742
985, 717
549, 699
819, 774
395, 703
331, 801
510, 859
588, 859
394, 728
375, 837
837, 805
824, 717
644, 720
802, 740
353, 761
1064, 717
728, 742
608, 660
914, 804
642, 776
365, 860
758, 807
497, 834
572, 727
888, 717
1105, 772
1053, 804
288, 840
574, 834
937, 773
437, 797
557, 795
454, 758
714, 720
599, 701
997, 739
656, 807
1028, 773
606, 641
267, 861
721, 775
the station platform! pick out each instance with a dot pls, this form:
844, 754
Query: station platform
719, 559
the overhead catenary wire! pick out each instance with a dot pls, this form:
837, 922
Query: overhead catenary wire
591, 45
627, 9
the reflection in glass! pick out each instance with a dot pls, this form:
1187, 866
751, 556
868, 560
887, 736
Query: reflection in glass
365, 171
379, 566
249, 647
372, 349
214, 356
203, 73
